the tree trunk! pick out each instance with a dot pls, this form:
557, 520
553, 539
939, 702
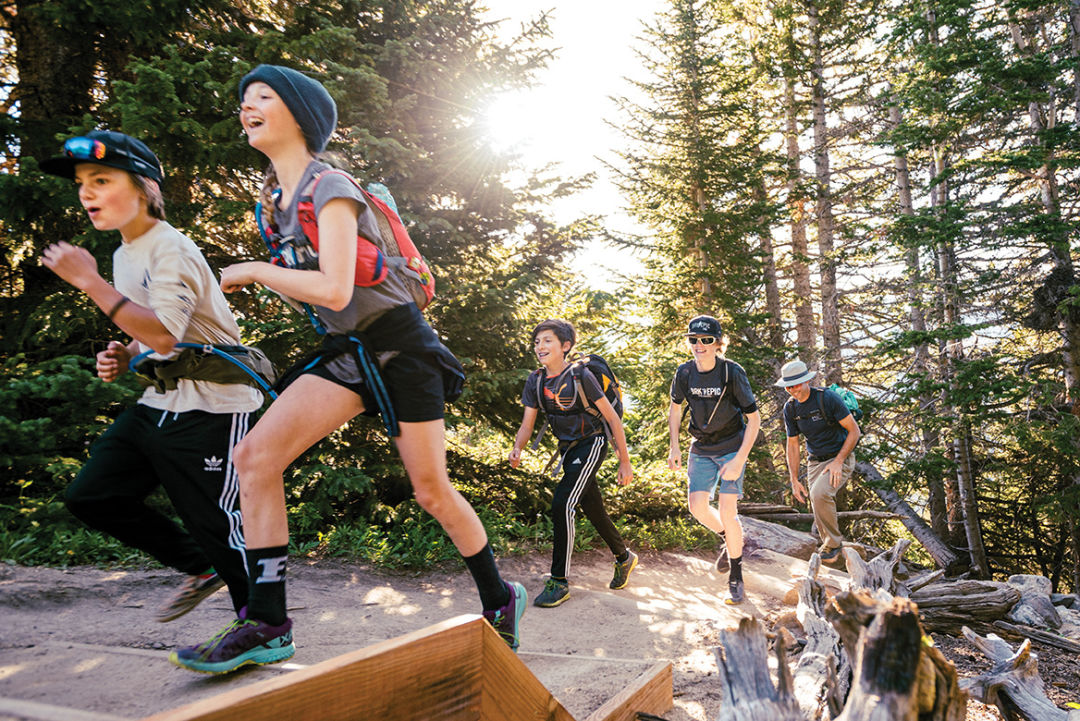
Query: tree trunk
969, 501
939, 550
1074, 39
830, 307
1040, 119
56, 72
805, 327
920, 366
960, 497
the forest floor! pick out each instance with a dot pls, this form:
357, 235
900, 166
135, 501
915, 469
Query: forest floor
81, 644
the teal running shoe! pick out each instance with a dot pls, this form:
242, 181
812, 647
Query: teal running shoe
244, 641
505, 620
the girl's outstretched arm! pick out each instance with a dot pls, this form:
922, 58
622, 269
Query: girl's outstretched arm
331, 286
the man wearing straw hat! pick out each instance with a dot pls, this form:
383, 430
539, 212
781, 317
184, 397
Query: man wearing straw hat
831, 433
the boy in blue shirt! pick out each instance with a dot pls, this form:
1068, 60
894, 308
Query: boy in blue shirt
831, 434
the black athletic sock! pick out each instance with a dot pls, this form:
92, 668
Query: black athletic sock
623, 558
266, 592
736, 569
493, 591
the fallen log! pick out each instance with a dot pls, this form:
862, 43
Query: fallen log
759, 534
1013, 683
1039, 636
796, 517
756, 509
948, 606
943, 555
747, 691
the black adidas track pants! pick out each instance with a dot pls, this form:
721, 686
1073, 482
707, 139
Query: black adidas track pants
580, 464
190, 455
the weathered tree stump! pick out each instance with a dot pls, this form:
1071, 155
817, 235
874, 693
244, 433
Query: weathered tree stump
879, 572
822, 674
1013, 683
898, 674
746, 688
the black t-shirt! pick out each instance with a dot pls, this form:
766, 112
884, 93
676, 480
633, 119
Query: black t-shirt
716, 407
824, 435
567, 415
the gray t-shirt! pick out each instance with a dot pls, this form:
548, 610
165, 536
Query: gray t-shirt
367, 303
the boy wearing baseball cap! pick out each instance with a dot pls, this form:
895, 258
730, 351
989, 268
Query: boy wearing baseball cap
719, 398
831, 434
180, 438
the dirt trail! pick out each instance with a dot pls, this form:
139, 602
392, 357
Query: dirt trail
81, 644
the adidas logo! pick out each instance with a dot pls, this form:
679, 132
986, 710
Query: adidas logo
577, 462
213, 463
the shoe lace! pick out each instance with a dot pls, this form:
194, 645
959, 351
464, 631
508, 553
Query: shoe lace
550, 585
224, 633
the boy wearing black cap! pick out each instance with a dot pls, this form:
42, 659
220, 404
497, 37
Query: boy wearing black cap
182, 438
718, 395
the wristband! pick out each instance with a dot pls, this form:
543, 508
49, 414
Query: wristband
119, 304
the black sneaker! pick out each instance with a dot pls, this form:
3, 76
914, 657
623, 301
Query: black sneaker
829, 555
737, 595
190, 595
554, 593
723, 564
623, 571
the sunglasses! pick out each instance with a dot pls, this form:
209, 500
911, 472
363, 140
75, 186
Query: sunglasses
87, 149
704, 340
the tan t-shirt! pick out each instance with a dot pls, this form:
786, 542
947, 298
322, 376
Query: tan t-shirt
163, 270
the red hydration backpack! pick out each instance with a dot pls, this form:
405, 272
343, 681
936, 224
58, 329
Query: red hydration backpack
393, 251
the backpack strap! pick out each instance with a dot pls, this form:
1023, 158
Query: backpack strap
821, 405
358, 346
216, 363
540, 402
723, 391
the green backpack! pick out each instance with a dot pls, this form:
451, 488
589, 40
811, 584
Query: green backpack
850, 400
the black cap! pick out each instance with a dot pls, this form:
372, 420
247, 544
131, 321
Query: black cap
705, 325
106, 147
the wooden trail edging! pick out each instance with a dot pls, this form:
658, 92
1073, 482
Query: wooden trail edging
459, 669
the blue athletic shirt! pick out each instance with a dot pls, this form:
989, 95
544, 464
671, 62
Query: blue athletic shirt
824, 436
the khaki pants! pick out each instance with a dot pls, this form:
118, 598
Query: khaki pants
823, 498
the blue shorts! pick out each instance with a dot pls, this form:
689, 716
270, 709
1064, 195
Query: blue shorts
703, 473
